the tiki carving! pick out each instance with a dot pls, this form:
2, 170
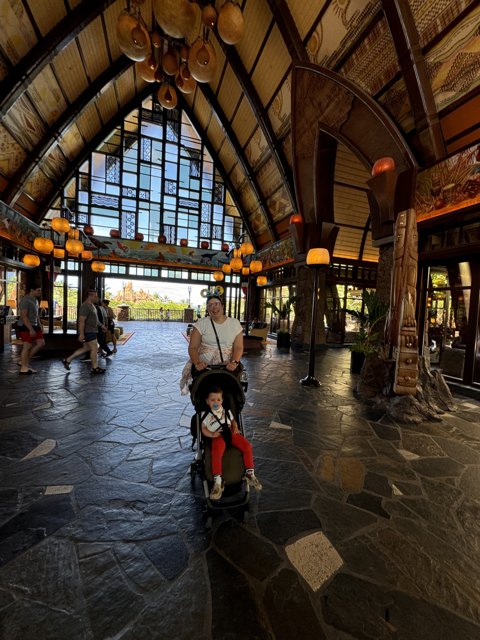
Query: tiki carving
401, 328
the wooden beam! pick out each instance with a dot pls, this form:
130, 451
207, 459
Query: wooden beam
288, 29
412, 63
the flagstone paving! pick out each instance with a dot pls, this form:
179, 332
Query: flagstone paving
365, 528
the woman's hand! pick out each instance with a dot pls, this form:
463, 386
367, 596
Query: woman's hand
200, 365
231, 366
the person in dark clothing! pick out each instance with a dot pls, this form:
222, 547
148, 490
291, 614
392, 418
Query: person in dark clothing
102, 330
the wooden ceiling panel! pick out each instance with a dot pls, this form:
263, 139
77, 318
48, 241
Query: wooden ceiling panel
107, 104
244, 122
88, 122
268, 178
230, 93
454, 64
11, 153
18, 35
94, 48
279, 111
349, 169
54, 164
374, 63
110, 16
46, 15
351, 207
256, 218
228, 157
396, 103
305, 14
38, 186
126, 87
370, 253
258, 151
432, 16
279, 204
338, 29
71, 143
24, 123
216, 134
47, 96
203, 111
69, 69
257, 20
348, 243
272, 66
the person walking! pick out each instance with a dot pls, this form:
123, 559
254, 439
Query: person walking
88, 325
111, 315
30, 328
102, 329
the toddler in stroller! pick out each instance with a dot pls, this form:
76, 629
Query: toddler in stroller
224, 456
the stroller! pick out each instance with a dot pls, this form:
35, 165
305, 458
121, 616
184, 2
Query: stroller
236, 493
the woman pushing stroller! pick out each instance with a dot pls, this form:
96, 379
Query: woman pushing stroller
220, 425
215, 339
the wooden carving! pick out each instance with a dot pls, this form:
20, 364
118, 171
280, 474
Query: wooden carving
401, 327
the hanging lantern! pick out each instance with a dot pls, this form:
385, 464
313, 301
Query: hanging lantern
296, 218
204, 244
218, 276
60, 225
382, 165
227, 269
177, 18
88, 230
246, 248
31, 260
170, 61
230, 23
236, 264
59, 253
185, 83
74, 247
98, 266
261, 281
162, 239
144, 70
139, 236
318, 256
237, 253
202, 60
43, 245
87, 255
133, 37
183, 242
167, 96
114, 233
156, 39
225, 246
256, 266
245, 271
209, 16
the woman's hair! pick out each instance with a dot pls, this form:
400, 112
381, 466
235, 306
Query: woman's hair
214, 296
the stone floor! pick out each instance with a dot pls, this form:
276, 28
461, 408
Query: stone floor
365, 529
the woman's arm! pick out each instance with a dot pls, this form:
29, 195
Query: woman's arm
237, 352
193, 347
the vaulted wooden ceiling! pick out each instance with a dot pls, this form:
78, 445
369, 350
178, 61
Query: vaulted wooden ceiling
65, 83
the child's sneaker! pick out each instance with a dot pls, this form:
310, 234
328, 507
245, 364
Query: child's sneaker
254, 482
217, 490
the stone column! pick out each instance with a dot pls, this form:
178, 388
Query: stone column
300, 334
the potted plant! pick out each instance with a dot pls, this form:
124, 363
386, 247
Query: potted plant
367, 340
283, 334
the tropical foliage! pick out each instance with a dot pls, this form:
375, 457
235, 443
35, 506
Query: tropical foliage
367, 340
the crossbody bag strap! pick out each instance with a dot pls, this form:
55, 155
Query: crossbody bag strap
218, 341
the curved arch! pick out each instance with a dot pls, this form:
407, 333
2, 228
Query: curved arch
325, 101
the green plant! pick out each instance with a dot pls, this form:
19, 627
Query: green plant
284, 310
367, 340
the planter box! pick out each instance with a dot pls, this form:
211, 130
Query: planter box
283, 340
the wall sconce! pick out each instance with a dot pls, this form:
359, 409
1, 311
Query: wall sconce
316, 258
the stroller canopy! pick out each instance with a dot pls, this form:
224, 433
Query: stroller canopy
222, 378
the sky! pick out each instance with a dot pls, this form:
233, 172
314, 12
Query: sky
174, 290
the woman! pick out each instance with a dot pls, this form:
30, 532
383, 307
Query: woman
203, 348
